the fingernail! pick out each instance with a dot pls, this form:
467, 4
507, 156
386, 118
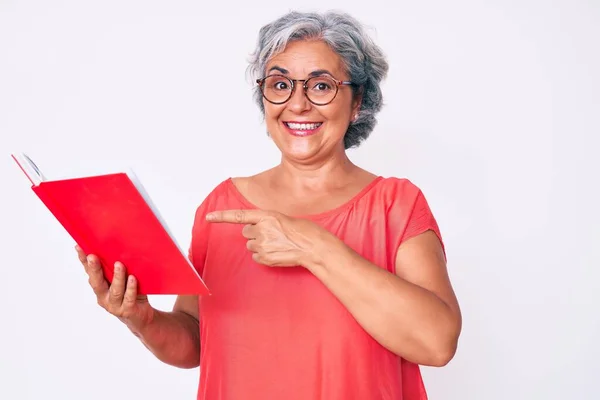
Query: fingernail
210, 217
118, 267
90, 259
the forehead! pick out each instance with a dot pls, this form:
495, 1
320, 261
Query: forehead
300, 58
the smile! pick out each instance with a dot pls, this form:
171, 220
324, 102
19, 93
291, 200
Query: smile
302, 128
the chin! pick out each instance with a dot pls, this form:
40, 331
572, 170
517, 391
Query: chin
299, 151
306, 151
304, 145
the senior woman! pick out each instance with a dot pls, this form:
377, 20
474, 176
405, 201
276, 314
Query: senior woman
328, 281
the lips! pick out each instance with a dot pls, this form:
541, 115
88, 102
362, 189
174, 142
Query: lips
302, 128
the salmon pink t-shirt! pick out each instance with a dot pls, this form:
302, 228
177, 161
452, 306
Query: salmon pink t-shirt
277, 333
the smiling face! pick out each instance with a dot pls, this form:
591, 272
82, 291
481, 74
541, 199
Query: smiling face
305, 132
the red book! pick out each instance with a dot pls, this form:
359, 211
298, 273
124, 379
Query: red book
113, 217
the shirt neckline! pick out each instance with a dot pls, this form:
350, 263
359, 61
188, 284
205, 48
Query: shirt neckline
336, 210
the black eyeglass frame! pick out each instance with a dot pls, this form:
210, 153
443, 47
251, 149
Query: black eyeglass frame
338, 83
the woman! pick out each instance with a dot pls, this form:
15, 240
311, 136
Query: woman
327, 281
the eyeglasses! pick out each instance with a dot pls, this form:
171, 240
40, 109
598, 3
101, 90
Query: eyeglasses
319, 90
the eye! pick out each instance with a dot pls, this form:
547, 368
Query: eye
321, 84
280, 85
277, 83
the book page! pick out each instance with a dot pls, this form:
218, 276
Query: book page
138, 184
29, 168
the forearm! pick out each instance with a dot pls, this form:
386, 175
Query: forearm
173, 337
405, 318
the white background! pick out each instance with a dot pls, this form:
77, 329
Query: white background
492, 108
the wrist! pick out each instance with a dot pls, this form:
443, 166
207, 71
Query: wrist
325, 248
140, 326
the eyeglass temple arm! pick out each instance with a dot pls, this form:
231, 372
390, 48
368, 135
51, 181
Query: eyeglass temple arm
261, 80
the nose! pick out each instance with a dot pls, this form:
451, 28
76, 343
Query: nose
298, 103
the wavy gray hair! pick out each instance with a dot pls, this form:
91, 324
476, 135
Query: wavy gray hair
364, 61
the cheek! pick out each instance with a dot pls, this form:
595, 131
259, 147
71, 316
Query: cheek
340, 109
272, 112
336, 114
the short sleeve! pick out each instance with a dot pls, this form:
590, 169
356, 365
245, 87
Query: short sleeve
200, 233
408, 215
420, 219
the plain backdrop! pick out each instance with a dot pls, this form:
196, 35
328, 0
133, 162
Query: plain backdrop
491, 107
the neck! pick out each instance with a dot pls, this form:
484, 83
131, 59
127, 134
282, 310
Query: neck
329, 172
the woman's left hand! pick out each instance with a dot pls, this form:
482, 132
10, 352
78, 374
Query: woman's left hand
275, 239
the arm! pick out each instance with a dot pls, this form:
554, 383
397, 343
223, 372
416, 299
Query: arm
413, 313
173, 337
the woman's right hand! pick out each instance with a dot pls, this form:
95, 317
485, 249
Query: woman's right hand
120, 298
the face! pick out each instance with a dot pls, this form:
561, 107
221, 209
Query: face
302, 131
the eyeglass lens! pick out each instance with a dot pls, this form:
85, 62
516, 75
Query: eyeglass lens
319, 89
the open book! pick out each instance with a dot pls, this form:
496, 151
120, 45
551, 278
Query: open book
113, 217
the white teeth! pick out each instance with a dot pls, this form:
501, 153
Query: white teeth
303, 127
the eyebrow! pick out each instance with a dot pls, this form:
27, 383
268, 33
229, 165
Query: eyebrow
277, 68
320, 72
317, 72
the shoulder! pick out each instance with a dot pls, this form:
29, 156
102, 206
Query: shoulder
398, 192
217, 194
407, 210
394, 199
405, 205
219, 189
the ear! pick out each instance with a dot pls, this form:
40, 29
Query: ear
356, 104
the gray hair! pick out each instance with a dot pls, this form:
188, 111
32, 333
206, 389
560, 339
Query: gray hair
365, 63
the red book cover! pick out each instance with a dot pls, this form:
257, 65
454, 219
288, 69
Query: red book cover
112, 217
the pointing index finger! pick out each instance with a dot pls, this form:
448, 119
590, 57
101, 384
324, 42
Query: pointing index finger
237, 216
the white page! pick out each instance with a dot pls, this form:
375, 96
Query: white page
138, 184
30, 169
